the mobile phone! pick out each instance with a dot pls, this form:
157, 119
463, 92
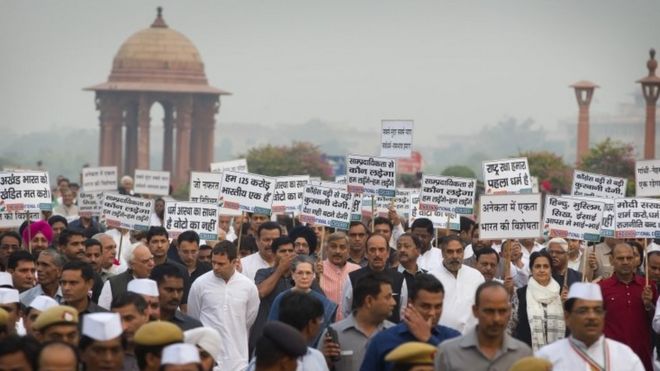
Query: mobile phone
335, 339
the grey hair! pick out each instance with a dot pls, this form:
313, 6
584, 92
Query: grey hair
300, 259
131, 253
58, 259
338, 236
98, 236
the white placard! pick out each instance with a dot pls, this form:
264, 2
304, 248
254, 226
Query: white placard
647, 178
239, 165
636, 218
99, 179
396, 137
121, 211
449, 194
89, 203
596, 185
327, 184
510, 216
573, 218
326, 206
535, 184
607, 224
14, 219
438, 217
205, 187
25, 190
150, 182
381, 205
193, 216
510, 175
341, 179
289, 193
247, 192
356, 208
371, 175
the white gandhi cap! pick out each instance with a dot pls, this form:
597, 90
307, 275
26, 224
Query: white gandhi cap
180, 354
43, 302
585, 291
102, 326
143, 286
5, 279
206, 338
8, 296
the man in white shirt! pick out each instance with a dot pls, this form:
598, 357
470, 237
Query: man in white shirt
431, 257
228, 302
460, 283
263, 258
587, 348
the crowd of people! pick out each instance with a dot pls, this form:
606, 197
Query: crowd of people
274, 294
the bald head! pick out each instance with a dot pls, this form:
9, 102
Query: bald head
57, 357
141, 261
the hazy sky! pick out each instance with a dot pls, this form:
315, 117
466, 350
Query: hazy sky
451, 66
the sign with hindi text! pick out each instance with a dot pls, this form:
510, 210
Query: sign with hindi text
449, 194
14, 219
607, 224
289, 193
371, 175
239, 165
438, 217
596, 185
396, 138
150, 182
326, 206
247, 192
195, 216
573, 218
636, 218
647, 178
510, 175
99, 179
205, 187
505, 216
25, 190
89, 203
121, 211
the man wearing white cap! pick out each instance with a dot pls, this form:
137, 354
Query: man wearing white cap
148, 289
100, 344
9, 302
38, 305
587, 348
180, 357
6, 280
208, 343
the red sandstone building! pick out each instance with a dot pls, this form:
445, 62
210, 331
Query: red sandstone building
157, 65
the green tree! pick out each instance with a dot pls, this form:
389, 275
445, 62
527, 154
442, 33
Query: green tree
551, 169
459, 171
301, 158
613, 158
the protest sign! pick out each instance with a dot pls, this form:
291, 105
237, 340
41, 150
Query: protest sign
289, 193
239, 165
510, 175
195, 216
573, 218
247, 192
396, 138
121, 211
380, 205
448, 194
505, 216
14, 219
438, 217
371, 175
596, 185
89, 203
326, 206
151, 182
647, 178
205, 187
99, 179
535, 184
25, 190
636, 218
341, 179
607, 224
356, 207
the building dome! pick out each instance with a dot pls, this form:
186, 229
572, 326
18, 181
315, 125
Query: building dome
158, 58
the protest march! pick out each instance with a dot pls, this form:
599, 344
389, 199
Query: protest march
257, 256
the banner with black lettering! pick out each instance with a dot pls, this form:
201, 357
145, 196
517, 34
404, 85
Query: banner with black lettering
449, 194
25, 190
194, 216
326, 206
636, 218
289, 193
506, 216
596, 185
99, 179
371, 175
150, 182
121, 211
573, 218
247, 192
647, 178
510, 175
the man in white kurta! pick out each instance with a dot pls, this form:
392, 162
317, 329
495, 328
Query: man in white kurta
227, 301
587, 348
460, 283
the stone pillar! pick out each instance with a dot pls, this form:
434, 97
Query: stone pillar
195, 132
205, 109
651, 97
110, 116
130, 155
168, 137
584, 91
142, 143
183, 127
